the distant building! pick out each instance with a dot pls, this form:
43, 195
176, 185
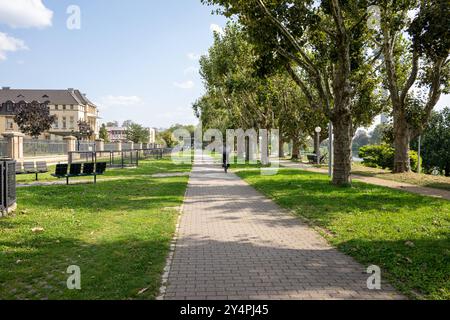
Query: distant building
69, 106
152, 135
117, 134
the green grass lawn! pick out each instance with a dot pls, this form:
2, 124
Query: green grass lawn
118, 232
407, 235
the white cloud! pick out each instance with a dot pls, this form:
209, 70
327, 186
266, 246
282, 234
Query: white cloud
216, 28
191, 70
114, 101
10, 44
25, 14
193, 56
185, 85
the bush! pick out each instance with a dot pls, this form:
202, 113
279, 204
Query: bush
382, 156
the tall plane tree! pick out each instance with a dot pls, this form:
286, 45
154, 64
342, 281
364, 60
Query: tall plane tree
323, 46
416, 65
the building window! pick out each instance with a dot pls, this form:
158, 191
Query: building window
64, 107
64, 123
71, 107
72, 123
9, 107
56, 124
9, 124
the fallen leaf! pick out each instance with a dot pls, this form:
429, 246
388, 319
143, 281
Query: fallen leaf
143, 291
37, 229
410, 244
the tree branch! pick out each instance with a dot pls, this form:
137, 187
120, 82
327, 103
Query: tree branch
286, 33
412, 77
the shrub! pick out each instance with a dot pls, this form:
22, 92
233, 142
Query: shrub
382, 156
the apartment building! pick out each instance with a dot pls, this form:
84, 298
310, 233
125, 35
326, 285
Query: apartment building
116, 134
69, 106
152, 135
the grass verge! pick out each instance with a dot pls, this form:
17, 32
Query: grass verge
407, 235
424, 180
118, 232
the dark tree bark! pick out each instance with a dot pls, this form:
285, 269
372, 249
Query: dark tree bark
402, 136
341, 116
281, 148
295, 150
343, 132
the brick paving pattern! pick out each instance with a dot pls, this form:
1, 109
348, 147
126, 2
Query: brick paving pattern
234, 243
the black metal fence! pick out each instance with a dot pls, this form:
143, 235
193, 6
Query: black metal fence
118, 159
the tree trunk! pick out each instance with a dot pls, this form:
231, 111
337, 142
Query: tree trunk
447, 169
343, 129
295, 150
281, 149
402, 161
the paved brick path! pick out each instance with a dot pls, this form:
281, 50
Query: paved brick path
236, 244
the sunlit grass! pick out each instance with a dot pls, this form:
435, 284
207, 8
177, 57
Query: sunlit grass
118, 232
407, 235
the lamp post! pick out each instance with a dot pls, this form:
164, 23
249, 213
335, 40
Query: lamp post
419, 165
318, 131
330, 149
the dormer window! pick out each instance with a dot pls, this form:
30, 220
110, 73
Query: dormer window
9, 106
20, 96
45, 96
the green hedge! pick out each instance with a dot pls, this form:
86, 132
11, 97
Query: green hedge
382, 156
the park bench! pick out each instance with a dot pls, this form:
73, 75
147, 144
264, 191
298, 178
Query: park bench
312, 158
79, 170
31, 168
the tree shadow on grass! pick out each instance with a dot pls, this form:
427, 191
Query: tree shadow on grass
127, 194
295, 189
116, 270
118, 232
150, 167
421, 268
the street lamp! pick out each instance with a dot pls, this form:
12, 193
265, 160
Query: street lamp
330, 149
318, 131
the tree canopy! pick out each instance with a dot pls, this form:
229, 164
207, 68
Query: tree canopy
137, 133
34, 118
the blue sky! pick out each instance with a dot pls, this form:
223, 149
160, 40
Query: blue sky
137, 59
